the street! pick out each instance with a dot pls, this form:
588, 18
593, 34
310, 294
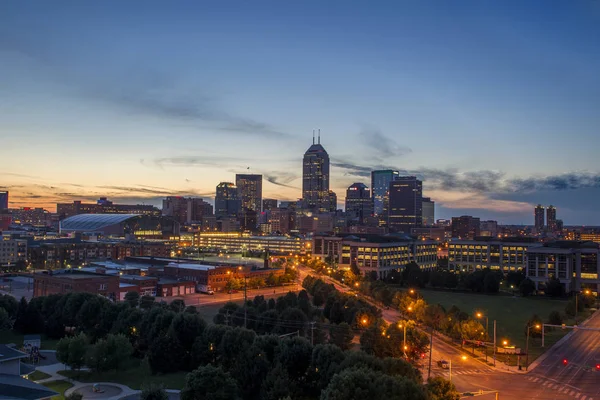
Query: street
549, 379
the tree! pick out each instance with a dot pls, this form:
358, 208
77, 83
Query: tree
209, 382
532, 323
554, 318
78, 346
153, 392
441, 389
233, 343
491, 283
325, 363
341, 335
185, 328
515, 278
250, 370
527, 287
9, 304
165, 355
132, 298
177, 306
359, 384
294, 355
5, 321
119, 349
554, 288
412, 274
146, 302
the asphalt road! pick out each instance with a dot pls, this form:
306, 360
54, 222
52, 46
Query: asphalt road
549, 380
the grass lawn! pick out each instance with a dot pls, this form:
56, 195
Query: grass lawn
511, 315
134, 377
59, 387
38, 376
8, 336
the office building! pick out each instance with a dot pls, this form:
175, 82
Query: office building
281, 221
238, 242
269, 204
575, 264
428, 212
375, 253
12, 251
227, 201
3, 200
507, 254
405, 204
359, 204
31, 216
488, 228
332, 201
250, 191
186, 210
539, 218
103, 206
380, 187
466, 227
551, 218
315, 178
5, 220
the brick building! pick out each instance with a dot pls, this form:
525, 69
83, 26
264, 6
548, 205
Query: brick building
69, 281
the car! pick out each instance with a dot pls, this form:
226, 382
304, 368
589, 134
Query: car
233, 291
443, 364
211, 292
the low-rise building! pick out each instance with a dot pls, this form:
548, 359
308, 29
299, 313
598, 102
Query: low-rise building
237, 242
13, 385
507, 254
376, 253
12, 251
70, 281
175, 287
575, 264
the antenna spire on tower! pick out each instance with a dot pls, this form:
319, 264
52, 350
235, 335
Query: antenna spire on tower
313, 136
319, 136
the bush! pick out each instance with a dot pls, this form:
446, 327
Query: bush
555, 318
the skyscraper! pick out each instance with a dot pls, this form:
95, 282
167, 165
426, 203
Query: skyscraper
269, 204
186, 210
227, 201
539, 217
3, 200
332, 201
315, 178
405, 204
250, 191
380, 186
359, 204
551, 218
428, 211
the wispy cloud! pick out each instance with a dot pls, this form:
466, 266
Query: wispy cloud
281, 179
382, 146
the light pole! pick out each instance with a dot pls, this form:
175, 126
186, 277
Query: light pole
404, 344
450, 377
537, 326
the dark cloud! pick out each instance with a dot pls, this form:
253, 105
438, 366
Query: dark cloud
281, 179
482, 181
383, 146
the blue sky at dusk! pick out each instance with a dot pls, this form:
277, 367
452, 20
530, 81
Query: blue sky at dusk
494, 104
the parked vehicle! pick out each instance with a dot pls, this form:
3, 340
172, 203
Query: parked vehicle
443, 364
205, 289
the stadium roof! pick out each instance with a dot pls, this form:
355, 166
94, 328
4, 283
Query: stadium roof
90, 222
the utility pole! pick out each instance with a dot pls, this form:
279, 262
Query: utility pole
494, 343
430, 350
245, 302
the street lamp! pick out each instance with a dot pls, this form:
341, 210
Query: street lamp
537, 326
464, 358
480, 315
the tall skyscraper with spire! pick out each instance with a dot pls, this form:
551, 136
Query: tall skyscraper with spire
315, 177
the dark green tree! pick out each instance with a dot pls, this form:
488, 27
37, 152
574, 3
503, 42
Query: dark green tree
5, 320
235, 342
554, 288
526, 287
555, 318
325, 363
341, 335
132, 298
441, 389
153, 392
165, 355
185, 328
209, 382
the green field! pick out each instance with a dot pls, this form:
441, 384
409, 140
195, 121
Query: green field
511, 315
37, 376
59, 387
135, 377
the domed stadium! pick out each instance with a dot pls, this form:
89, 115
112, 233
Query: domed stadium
120, 225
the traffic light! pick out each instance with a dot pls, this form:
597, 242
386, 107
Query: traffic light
597, 367
565, 362
422, 355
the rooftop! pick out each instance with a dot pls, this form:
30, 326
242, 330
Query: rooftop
90, 222
198, 267
8, 353
76, 274
138, 277
14, 387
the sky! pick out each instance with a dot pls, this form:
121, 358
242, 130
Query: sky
493, 104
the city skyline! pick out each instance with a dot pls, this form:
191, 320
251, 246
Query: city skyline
476, 113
